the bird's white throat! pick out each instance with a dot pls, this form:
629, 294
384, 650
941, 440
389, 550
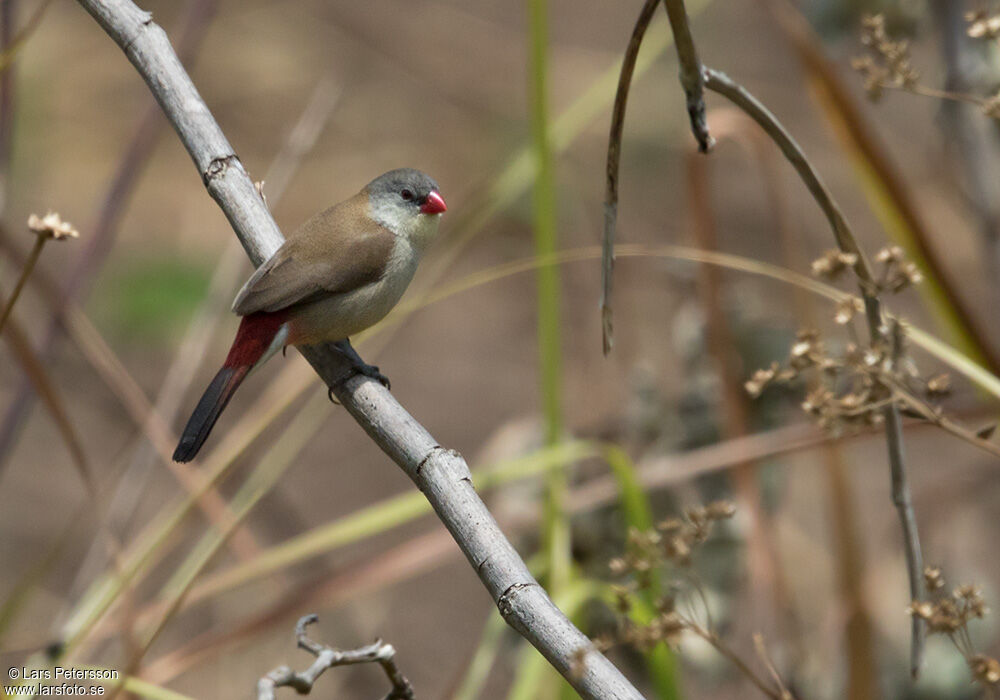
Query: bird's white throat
418, 229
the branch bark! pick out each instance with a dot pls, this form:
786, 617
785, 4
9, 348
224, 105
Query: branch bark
441, 474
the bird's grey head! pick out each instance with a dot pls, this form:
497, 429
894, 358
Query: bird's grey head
407, 202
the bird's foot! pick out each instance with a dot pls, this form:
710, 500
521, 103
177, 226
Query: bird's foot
372, 372
359, 366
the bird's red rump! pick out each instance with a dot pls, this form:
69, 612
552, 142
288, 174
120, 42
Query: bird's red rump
254, 337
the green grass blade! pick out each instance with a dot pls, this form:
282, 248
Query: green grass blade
486, 653
556, 532
635, 505
660, 661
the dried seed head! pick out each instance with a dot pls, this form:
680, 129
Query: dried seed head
934, 578
982, 25
720, 510
832, 263
920, 610
52, 226
678, 549
807, 351
898, 273
816, 400
760, 379
873, 76
939, 385
670, 525
889, 254
985, 669
888, 64
847, 309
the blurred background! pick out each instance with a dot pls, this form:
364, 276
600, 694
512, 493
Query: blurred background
122, 570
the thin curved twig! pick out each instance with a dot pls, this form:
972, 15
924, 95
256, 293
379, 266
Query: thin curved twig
612, 168
847, 242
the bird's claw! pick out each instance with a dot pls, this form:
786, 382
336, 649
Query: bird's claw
364, 370
373, 372
358, 365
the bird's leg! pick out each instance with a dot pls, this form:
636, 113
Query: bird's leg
359, 365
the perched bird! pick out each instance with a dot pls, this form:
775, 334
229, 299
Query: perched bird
339, 273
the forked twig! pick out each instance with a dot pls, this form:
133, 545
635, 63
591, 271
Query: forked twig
326, 658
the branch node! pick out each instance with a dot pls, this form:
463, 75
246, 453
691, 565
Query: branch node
217, 167
505, 602
427, 457
145, 22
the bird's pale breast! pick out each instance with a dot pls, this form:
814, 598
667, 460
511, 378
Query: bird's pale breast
340, 316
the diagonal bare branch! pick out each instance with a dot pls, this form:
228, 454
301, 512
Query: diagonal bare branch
441, 474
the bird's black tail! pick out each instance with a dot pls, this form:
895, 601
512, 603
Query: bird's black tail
212, 402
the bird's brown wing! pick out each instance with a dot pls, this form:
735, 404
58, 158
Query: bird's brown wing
332, 253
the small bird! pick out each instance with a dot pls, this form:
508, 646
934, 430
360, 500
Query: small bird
339, 273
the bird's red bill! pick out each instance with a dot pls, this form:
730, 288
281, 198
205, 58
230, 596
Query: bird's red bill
434, 204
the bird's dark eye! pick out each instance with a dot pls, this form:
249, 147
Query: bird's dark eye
407, 195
